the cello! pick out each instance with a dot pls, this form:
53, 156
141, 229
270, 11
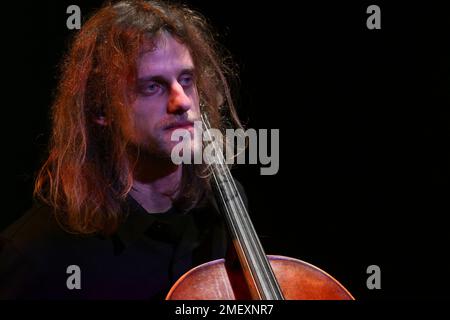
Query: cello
247, 273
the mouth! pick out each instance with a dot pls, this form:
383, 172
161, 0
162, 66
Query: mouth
179, 125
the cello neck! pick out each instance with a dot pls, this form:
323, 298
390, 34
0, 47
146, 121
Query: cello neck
256, 268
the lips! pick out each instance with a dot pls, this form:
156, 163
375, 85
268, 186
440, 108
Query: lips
179, 125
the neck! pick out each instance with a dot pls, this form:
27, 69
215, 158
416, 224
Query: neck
156, 182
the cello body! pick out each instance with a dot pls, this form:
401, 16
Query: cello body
298, 280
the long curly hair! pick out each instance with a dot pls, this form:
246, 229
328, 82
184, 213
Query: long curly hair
87, 175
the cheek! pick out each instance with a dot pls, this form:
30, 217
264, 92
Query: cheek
145, 116
148, 109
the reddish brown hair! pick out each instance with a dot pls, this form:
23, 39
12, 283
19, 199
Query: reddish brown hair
87, 175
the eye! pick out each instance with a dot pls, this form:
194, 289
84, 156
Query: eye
151, 88
186, 80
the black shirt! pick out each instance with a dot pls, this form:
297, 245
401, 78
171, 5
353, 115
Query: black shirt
142, 260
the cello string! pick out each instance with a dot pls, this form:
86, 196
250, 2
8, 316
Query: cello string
230, 188
242, 236
263, 274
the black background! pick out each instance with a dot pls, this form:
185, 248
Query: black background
364, 128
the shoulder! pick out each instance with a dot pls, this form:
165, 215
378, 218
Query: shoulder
34, 252
39, 236
19, 267
37, 228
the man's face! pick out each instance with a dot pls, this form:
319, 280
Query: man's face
167, 97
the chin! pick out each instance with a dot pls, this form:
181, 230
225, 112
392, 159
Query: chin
193, 150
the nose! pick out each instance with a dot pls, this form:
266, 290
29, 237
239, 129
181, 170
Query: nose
178, 102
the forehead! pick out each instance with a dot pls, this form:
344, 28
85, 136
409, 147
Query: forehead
166, 56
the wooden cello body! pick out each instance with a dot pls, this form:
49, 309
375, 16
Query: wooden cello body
247, 273
298, 281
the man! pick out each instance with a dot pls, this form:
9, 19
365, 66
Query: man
114, 217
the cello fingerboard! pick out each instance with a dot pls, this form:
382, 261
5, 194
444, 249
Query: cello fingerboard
257, 270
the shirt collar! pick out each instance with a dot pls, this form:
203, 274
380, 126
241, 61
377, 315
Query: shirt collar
138, 220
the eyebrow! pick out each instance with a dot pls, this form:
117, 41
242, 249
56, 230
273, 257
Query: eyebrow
161, 78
